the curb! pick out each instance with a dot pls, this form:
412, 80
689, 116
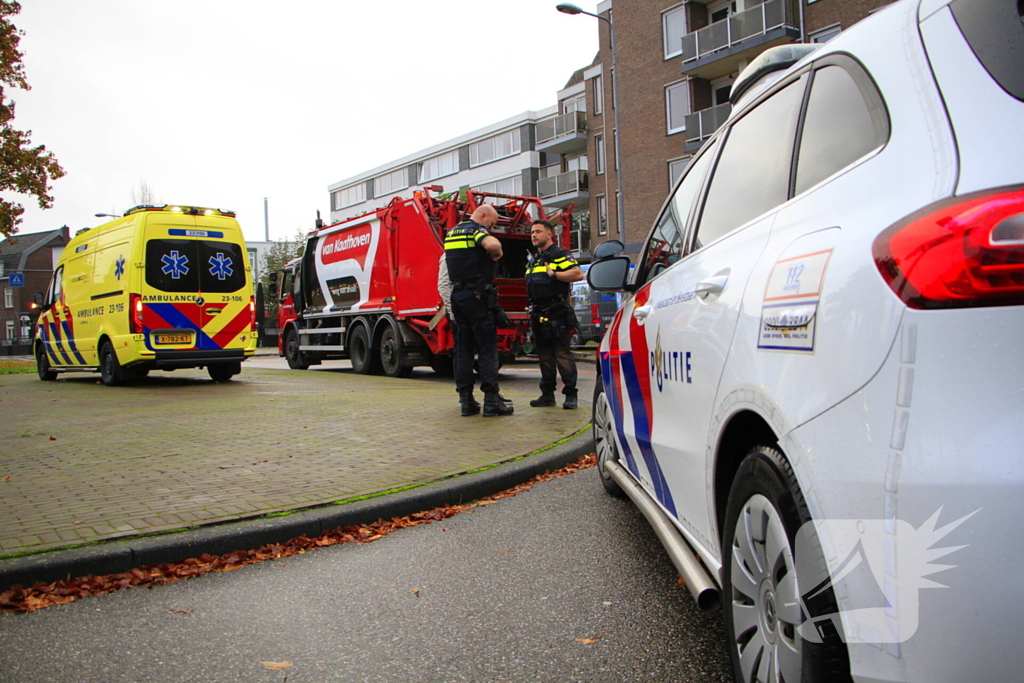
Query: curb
122, 555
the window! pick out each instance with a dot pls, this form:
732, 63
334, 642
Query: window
675, 169
252, 259
10, 329
576, 163
665, 245
677, 106
673, 28
575, 103
840, 125
752, 174
349, 196
513, 186
194, 266
599, 154
498, 147
599, 94
601, 214
8, 297
392, 182
54, 290
824, 35
439, 166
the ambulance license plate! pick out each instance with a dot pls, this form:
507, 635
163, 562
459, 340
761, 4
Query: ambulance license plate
174, 339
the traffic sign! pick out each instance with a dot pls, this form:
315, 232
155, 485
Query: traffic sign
17, 280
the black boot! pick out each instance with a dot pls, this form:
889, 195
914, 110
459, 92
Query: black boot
547, 398
570, 402
470, 406
495, 407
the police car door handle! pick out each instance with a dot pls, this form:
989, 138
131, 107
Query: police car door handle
641, 312
713, 285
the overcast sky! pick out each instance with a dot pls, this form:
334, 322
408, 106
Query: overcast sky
224, 102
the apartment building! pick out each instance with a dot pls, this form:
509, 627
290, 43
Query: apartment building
675, 63
26, 263
499, 158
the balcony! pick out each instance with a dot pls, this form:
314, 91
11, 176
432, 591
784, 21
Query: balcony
563, 134
701, 124
716, 50
563, 189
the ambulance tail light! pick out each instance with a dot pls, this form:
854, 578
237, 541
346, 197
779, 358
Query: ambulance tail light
252, 314
135, 313
957, 254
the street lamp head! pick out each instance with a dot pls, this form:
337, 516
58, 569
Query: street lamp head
568, 8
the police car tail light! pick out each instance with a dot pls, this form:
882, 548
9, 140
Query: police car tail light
956, 254
135, 317
252, 314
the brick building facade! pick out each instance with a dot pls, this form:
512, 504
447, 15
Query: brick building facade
31, 259
676, 62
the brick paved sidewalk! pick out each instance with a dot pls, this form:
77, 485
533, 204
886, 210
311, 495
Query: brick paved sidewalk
88, 463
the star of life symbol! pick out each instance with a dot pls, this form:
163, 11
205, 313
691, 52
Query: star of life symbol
220, 266
876, 568
174, 265
119, 267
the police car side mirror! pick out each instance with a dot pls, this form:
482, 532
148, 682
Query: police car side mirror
609, 248
610, 274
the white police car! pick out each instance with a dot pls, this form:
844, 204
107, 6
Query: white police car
814, 391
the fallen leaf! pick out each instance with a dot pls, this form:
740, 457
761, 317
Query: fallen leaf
77, 521
276, 666
502, 550
587, 641
7, 478
680, 583
53, 438
416, 592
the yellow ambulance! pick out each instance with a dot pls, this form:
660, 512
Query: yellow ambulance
163, 287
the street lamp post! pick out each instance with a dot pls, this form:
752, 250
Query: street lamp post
569, 8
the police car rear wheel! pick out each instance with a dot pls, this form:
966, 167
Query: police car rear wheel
110, 368
761, 585
604, 439
43, 366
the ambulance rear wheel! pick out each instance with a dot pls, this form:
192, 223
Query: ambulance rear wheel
111, 372
296, 359
364, 360
222, 372
43, 365
391, 354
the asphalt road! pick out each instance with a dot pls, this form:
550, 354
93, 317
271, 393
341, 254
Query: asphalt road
561, 583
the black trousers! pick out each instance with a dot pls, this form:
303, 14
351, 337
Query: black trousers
474, 334
552, 344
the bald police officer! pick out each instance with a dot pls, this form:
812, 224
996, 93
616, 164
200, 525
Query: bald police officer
470, 253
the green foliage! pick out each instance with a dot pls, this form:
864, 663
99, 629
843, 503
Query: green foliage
23, 169
279, 254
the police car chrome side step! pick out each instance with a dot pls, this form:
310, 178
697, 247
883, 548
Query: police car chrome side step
700, 583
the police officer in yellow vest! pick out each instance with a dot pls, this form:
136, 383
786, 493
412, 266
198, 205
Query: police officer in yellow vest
470, 253
548, 278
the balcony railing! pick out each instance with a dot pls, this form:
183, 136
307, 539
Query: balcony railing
566, 124
739, 27
563, 183
701, 124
